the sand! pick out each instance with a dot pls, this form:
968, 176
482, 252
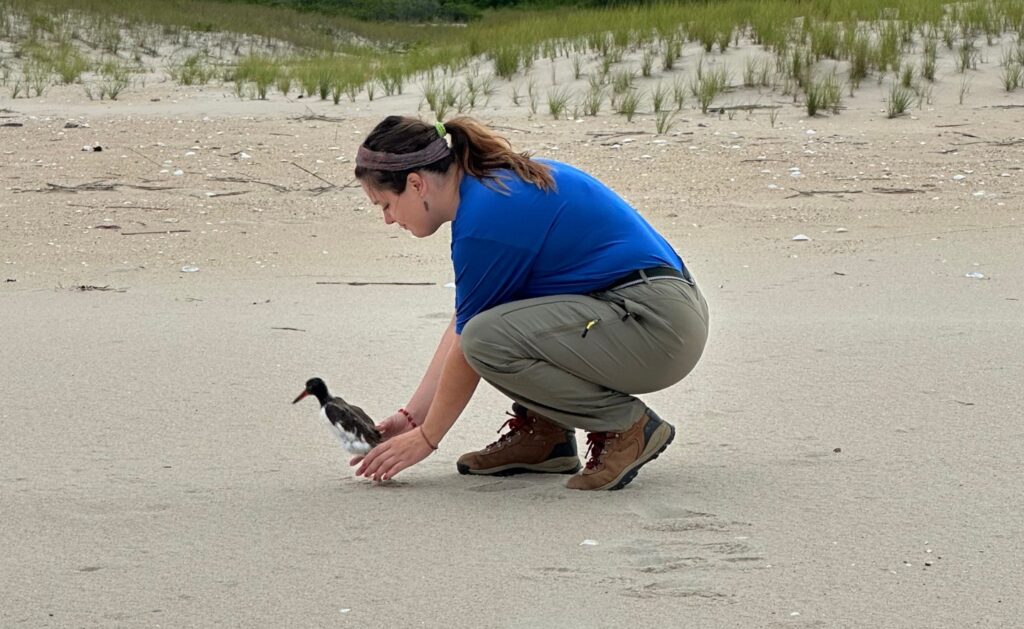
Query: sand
848, 453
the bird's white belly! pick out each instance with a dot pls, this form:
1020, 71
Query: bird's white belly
349, 441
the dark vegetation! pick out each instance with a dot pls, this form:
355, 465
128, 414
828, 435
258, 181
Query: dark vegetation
431, 10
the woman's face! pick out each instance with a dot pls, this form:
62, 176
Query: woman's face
406, 209
409, 209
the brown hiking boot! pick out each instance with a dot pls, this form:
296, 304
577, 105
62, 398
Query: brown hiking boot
532, 444
616, 457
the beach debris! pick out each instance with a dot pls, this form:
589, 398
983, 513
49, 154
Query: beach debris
189, 269
808, 193
974, 275
106, 226
82, 288
959, 177
794, 613
11, 279
841, 230
178, 173
71, 124
275, 186
380, 283
93, 186
214, 195
588, 542
837, 450
320, 117
286, 328
330, 185
12, 124
160, 231
897, 190
346, 610
450, 285
92, 148
801, 237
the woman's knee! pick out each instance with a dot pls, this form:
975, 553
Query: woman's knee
477, 338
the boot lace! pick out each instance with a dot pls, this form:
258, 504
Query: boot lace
515, 424
596, 442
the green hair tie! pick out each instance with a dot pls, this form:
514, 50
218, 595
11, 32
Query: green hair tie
441, 131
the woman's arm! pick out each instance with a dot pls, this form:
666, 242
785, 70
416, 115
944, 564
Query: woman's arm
454, 388
422, 399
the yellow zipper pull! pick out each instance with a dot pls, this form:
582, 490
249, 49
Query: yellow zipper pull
590, 324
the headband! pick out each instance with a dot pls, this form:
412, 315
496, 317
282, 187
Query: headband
397, 162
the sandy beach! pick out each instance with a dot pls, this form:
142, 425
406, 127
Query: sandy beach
848, 453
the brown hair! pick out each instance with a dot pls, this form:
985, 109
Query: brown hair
477, 150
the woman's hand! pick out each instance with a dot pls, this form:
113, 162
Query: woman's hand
390, 427
394, 455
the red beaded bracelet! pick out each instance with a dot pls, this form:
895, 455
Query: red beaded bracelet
408, 417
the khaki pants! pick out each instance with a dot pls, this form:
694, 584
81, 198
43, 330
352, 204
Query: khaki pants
646, 337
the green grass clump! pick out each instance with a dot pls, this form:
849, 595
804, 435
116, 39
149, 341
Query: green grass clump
823, 94
890, 47
930, 59
1011, 76
558, 100
900, 100
260, 70
628, 104
507, 61
647, 62
906, 75
113, 78
679, 92
659, 96
706, 86
673, 50
967, 56
67, 63
622, 81
440, 94
592, 99
664, 121
193, 70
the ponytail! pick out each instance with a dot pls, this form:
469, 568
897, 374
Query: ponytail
477, 150
480, 151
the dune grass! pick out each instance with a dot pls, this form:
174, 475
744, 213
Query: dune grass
270, 47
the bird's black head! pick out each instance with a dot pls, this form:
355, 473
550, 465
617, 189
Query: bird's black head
315, 387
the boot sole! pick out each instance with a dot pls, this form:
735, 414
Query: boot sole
563, 465
650, 453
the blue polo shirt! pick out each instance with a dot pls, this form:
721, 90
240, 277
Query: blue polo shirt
525, 242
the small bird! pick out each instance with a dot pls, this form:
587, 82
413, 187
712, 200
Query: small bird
350, 424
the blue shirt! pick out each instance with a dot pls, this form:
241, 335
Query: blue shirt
525, 242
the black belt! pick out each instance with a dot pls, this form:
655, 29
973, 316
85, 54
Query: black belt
641, 275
